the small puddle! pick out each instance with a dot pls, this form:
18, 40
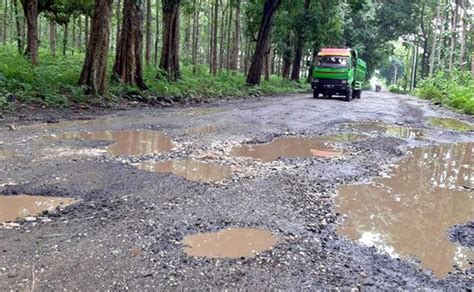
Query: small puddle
130, 142
190, 169
229, 243
22, 206
450, 124
6, 154
294, 147
389, 130
205, 130
409, 213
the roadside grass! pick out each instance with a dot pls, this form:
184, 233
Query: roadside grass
54, 82
455, 90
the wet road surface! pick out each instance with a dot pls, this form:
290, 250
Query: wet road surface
282, 192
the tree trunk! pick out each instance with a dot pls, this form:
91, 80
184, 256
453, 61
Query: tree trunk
463, 34
5, 25
86, 32
19, 30
128, 61
52, 37
197, 7
148, 33
222, 38
229, 35
169, 62
30, 8
256, 66
213, 63
267, 63
453, 35
187, 34
234, 56
157, 39
94, 71
118, 12
73, 43
441, 44
79, 37
435, 39
301, 36
66, 27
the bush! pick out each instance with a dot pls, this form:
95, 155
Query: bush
396, 89
455, 90
54, 82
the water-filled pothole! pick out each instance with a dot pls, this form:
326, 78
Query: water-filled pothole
410, 213
190, 169
450, 124
129, 142
296, 147
22, 206
388, 130
229, 243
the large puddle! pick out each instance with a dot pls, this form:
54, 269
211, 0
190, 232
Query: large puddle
190, 169
409, 213
388, 130
296, 147
450, 124
229, 243
22, 206
130, 142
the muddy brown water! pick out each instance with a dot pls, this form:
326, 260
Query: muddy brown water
389, 130
294, 147
190, 169
22, 206
450, 124
229, 243
409, 213
129, 142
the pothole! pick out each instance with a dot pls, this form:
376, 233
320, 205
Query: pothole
410, 213
229, 243
127, 143
294, 147
190, 169
17, 207
450, 124
388, 130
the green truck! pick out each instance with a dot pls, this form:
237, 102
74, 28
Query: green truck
338, 72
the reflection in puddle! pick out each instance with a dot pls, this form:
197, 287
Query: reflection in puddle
229, 243
450, 124
131, 142
389, 130
190, 169
410, 212
294, 147
201, 130
22, 206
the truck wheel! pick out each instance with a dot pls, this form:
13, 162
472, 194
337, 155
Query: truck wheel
349, 95
315, 94
359, 94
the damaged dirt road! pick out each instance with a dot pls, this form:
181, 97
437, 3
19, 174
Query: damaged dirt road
282, 192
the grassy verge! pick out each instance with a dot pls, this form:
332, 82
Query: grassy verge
455, 90
54, 82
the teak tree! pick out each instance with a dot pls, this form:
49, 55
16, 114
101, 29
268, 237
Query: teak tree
169, 62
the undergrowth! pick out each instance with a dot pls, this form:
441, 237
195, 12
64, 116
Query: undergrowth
54, 82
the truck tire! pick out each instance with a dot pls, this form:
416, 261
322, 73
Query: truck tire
349, 95
315, 94
359, 94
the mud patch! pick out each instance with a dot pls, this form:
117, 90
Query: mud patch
13, 208
190, 169
450, 124
131, 142
409, 213
291, 147
229, 243
388, 130
464, 234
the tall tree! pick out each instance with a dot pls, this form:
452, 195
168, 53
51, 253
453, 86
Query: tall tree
214, 30
148, 33
234, 55
302, 26
256, 66
93, 73
128, 61
454, 25
30, 8
169, 62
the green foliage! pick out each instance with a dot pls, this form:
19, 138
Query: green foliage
456, 91
54, 82
396, 89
